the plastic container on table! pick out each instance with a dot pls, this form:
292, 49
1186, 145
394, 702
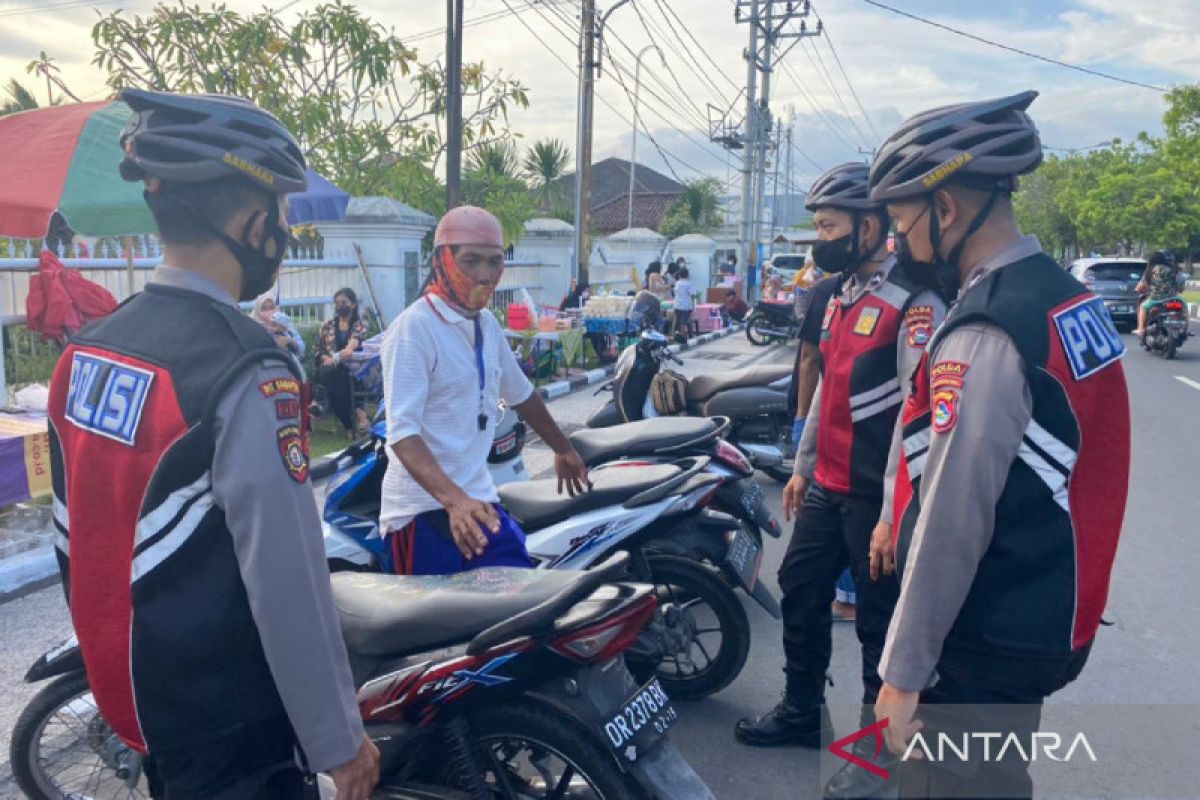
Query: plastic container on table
518, 317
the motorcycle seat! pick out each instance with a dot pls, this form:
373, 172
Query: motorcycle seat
705, 386
641, 438
537, 504
392, 615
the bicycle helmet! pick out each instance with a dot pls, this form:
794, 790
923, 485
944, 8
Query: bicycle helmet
191, 138
984, 145
845, 186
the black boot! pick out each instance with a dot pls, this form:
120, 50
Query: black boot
786, 724
852, 782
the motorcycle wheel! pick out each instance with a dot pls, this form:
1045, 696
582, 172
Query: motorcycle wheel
755, 338
62, 748
704, 615
1168, 349
529, 750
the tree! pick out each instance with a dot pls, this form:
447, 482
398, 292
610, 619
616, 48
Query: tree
499, 158
503, 195
545, 162
19, 98
357, 98
696, 211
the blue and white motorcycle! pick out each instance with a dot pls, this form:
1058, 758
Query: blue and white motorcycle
697, 642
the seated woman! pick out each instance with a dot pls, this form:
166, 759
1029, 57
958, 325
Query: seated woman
268, 314
341, 335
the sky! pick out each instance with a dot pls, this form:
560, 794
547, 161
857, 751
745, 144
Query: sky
893, 67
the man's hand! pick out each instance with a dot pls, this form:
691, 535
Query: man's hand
883, 555
898, 707
468, 518
356, 779
571, 471
793, 496
346, 353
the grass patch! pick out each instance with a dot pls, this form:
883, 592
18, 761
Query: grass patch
1192, 296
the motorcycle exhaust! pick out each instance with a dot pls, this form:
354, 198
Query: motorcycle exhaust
763, 455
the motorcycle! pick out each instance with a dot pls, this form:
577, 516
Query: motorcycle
656, 512
1166, 328
753, 399
493, 683
771, 322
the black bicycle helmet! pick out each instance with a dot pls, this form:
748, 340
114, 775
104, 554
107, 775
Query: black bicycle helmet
845, 186
984, 145
190, 138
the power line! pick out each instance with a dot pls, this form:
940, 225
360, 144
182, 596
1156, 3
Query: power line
1017, 50
16, 12
824, 73
717, 67
687, 58
812, 104
846, 76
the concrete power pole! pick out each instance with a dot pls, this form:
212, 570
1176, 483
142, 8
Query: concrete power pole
787, 182
583, 138
775, 215
746, 244
454, 27
765, 123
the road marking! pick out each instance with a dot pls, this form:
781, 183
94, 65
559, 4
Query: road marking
1188, 381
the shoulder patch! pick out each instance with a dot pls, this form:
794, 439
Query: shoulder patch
287, 408
1089, 338
945, 409
948, 373
107, 397
274, 386
919, 321
868, 318
293, 452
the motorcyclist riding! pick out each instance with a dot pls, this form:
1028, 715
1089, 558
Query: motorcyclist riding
1161, 282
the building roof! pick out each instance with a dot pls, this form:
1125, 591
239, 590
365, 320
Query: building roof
548, 225
610, 180
693, 240
648, 211
632, 235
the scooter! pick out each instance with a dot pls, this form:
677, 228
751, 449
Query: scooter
772, 322
753, 399
497, 682
657, 512
1166, 328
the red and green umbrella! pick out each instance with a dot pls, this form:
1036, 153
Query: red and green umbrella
65, 159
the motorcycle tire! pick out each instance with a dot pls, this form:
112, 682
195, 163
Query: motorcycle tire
549, 730
755, 338
692, 581
1168, 349
24, 749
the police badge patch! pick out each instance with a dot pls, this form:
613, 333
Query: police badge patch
868, 318
293, 452
919, 321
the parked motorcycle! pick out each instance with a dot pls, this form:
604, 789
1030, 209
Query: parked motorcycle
772, 322
657, 512
493, 683
753, 399
1166, 328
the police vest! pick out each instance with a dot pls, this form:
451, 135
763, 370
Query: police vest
1041, 586
860, 390
172, 653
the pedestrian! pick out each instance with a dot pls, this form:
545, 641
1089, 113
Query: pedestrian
268, 314
645, 312
188, 535
655, 281
1011, 490
341, 336
872, 332
685, 303
446, 367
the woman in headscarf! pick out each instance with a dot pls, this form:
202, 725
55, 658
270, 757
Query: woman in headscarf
268, 314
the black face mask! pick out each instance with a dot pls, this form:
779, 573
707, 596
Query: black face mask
941, 274
344, 312
836, 256
259, 270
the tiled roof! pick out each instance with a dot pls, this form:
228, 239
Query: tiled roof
649, 209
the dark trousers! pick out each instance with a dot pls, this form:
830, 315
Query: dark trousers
339, 392
984, 693
683, 323
833, 532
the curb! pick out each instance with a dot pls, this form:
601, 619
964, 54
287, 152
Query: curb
558, 389
27, 572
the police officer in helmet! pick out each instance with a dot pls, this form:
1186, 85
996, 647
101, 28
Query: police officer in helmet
189, 544
1015, 446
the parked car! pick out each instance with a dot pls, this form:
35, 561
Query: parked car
787, 265
1115, 280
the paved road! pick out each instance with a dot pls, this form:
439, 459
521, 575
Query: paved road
1147, 656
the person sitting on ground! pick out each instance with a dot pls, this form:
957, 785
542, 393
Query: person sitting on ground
685, 303
268, 314
341, 336
734, 308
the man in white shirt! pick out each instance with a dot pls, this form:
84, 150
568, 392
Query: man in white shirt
446, 367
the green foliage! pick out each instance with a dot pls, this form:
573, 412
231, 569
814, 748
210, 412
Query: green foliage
696, 211
357, 98
499, 158
28, 359
545, 162
19, 98
505, 196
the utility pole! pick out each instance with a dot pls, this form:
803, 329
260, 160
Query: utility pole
746, 244
775, 186
637, 88
763, 138
787, 184
454, 27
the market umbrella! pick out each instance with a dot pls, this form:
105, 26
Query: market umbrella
64, 158
320, 202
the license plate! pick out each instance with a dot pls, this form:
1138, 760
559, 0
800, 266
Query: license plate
640, 722
744, 555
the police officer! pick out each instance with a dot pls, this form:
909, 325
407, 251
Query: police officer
1016, 441
873, 332
189, 541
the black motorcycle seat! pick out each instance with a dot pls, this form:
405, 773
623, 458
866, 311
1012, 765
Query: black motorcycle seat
393, 615
644, 437
537, 504
705, 386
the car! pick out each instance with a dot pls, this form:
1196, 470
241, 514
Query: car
787, 265
1114, 280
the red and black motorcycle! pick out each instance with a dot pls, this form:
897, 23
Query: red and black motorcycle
1166, 328
496, 683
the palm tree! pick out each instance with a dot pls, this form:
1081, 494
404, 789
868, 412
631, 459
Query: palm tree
19, 98
696, 211
498, 158
545, 162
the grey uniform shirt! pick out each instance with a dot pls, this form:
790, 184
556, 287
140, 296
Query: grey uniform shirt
277, 538
965, 471
908, 356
